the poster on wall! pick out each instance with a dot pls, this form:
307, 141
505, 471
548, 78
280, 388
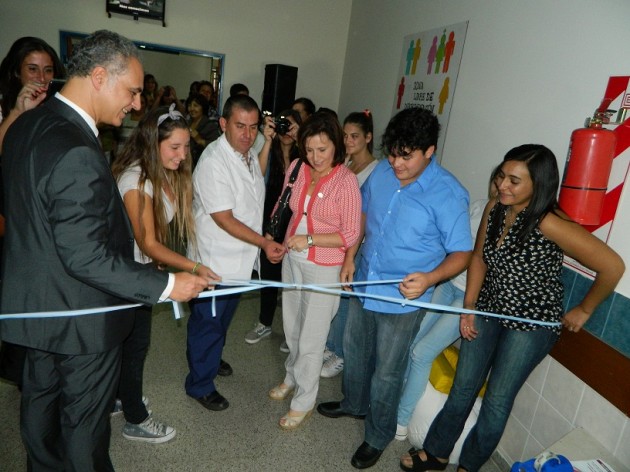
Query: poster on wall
614, 218
428, 72
153, 9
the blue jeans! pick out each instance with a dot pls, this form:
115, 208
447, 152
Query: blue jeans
334, 342
376, 347
509, 356
437, 331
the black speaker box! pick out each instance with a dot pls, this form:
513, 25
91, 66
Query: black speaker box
279, 89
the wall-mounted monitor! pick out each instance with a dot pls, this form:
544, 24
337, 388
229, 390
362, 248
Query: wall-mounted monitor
153, 9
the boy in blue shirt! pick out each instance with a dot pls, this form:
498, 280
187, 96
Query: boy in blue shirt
416, 226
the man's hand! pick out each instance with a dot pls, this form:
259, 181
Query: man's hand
187, 286
273, 250
414, 285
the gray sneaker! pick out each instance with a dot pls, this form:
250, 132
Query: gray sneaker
260, 331
149, 430
118, 409
284, 347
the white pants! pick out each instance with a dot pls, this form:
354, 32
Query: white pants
306, 316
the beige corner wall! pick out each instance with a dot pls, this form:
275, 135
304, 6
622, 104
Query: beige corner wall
531, 72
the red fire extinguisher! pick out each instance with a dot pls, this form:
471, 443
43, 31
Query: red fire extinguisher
587, 171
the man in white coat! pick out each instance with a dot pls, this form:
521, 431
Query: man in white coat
228, 198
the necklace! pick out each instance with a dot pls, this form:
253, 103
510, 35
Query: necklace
313, 181
357, 167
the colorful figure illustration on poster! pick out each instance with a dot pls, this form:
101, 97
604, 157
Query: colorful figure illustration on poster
439, 56
443, 97
416, 55
410, 53
432, 54
448, 53
401, 91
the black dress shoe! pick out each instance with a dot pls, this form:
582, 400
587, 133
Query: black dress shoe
366, 456
225, 369
333, 410
214, 401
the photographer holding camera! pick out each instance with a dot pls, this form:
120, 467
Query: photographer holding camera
279, 150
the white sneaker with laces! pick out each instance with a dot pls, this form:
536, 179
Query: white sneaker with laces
260, 331
333, 366
149, 430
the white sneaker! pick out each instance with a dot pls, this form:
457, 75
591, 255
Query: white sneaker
284, 347
401, 432
260, 331
327, 355
332, 367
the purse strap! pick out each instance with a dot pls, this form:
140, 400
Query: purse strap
294, 174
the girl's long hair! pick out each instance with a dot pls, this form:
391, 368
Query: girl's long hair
142, 149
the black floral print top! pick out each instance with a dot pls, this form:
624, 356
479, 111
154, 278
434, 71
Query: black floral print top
522, 280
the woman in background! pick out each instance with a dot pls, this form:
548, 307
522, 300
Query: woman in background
154, 178
358, 137
25, 74
202, 130
326, 205
275, 157
516, 270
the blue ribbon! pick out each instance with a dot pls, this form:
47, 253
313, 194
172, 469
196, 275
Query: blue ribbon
241, 286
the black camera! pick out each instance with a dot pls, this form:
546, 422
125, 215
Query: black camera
282, 125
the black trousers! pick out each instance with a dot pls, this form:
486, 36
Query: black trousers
66, 402
12, 362
134, 353
268, 295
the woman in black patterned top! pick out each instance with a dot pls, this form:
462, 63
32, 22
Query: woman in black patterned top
515, 270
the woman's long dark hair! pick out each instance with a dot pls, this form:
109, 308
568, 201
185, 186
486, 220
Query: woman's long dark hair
10, 80
543, 170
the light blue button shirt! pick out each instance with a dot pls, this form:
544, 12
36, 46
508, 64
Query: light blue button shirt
409, 229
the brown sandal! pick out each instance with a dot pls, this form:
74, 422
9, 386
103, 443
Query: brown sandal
419, 465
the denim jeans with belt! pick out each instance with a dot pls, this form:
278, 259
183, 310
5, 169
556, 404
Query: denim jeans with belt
510, 356
376, 348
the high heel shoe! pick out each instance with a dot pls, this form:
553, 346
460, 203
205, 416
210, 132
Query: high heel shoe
280, 393
290, 422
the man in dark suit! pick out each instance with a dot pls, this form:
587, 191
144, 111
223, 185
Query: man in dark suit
69, 246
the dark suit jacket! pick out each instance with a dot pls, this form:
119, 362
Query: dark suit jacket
69, 243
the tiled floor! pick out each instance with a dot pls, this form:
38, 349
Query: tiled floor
243, 437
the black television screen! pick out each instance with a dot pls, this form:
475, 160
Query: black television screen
153, 9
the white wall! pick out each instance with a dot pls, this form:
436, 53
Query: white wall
251, 33
531, 72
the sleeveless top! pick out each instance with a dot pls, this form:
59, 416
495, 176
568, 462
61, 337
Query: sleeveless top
522, 279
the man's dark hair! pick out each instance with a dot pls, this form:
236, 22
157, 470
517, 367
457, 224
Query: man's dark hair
102, 48
244, 102
238, 89
410, 130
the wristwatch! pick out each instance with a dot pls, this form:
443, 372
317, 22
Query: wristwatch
309, 240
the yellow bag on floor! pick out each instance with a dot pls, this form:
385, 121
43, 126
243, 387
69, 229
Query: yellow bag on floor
443, 371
